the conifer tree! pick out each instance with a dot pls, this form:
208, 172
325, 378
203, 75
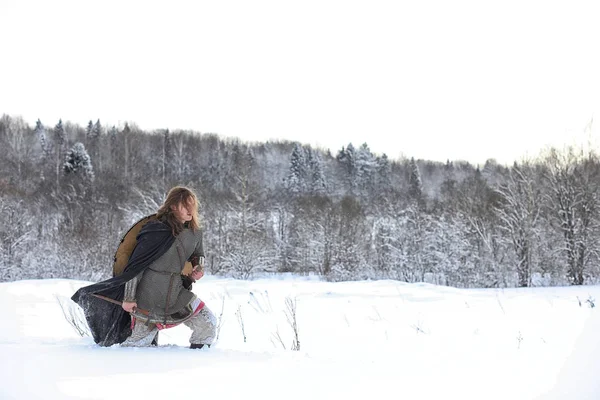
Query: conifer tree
415, 186
318, 184
78, 162
40, 132
366, 167
89, 130
97, 129
295, 182
59, 133
59, 140
384, 173
347, 157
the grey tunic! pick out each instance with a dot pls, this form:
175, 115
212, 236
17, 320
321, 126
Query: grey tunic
150, 289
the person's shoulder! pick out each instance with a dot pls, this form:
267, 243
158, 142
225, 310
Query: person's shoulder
155, 226
198, 235
189, 233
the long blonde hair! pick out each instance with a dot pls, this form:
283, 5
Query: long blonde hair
176, 196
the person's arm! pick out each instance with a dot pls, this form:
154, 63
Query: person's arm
197, 257
129, 300
197, 260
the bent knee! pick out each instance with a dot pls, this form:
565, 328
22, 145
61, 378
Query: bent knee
211, 319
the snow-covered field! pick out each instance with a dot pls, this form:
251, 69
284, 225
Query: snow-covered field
358, 340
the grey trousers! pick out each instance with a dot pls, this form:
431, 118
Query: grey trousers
203, 326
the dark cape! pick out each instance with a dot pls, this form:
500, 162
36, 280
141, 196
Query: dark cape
108, 322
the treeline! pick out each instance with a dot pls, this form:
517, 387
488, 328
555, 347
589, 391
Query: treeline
68, 193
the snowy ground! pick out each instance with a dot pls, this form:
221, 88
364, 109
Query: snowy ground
358, 340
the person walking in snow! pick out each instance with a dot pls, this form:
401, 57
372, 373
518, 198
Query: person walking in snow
154, 291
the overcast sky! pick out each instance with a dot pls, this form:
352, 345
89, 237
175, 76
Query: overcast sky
430, 79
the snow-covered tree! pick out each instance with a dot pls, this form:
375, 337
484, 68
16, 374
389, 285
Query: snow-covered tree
246, 248
415, 185
366, 167
16, 231
166, 156
384, 174
448, 188
20, 149
96, 129
59, 141
573, 202
456, 260
180, 160
519, 214
347, 159
93, 143
296, 180
311, 235
59, 133
414, 240
126, 149
78, 161
113, 133
89, 130
318, 183
348, 258
110, 147
476, 203
384, 233
40, 132
244, 261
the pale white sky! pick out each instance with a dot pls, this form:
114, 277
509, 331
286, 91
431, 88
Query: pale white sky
431, 79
